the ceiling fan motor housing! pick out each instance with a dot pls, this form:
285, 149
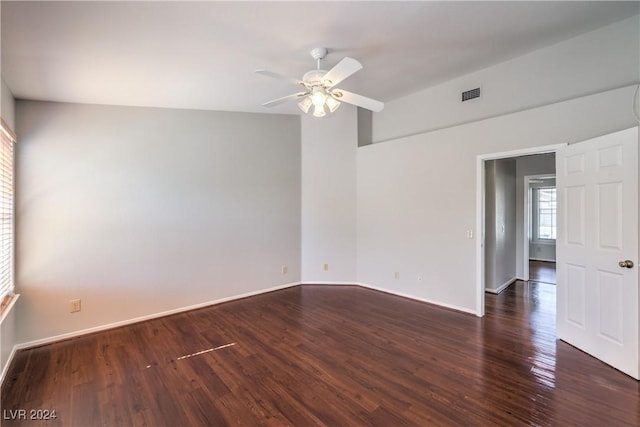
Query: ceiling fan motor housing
319, 53
314, 77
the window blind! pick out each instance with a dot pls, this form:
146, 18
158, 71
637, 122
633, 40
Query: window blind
7, 143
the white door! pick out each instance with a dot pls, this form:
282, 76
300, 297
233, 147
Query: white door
597, 290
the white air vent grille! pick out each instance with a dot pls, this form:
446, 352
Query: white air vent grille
471, 94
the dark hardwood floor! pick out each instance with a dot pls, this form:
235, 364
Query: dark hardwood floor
327, 355
542, 271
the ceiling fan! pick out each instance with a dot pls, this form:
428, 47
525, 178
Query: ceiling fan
319, 88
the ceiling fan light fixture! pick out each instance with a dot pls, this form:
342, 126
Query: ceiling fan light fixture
318, 97
305, 104
319, 111
332, 104
320, 87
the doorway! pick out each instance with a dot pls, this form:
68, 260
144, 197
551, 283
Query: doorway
520, 220
519, 247
597, 297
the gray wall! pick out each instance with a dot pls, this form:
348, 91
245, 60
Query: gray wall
139, 211
500, 223
329, 196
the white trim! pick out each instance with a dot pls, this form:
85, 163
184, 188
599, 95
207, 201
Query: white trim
501, 287
5, 368
330, 283
544, 242
522, 152
74, 334
480, 220
69, 335
415, 298
526, 241
100, 328
9, 307
480, 188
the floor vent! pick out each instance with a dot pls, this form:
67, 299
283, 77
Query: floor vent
471, 94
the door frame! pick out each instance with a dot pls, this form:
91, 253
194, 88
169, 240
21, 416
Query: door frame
480, 209
527, 223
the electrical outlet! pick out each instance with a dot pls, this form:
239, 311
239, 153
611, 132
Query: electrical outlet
420, 279
325, 267
469, 234
396, 275
74, 306
284, 269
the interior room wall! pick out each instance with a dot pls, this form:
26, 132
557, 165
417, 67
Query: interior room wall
365, 123
139, 211
539, 164
417, 195
417, 181
500, 220
542, 252
329, 202
576, 67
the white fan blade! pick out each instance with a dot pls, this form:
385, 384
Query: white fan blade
358, 100
341, 71
280, 76
285, 99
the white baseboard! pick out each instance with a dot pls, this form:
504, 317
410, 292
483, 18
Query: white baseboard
415, 298
100, 328
5, 313
330, 283
74, 334
49, 340
501, 287
542, 259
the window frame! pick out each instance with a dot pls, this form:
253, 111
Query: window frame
534, 232
8, 141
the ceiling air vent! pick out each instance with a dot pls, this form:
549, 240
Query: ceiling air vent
471, 94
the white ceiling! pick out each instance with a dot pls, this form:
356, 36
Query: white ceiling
202, 55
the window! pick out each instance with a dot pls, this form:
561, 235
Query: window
544, 213
7, 142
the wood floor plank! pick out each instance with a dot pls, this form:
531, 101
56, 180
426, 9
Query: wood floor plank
542, 271
327, 355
